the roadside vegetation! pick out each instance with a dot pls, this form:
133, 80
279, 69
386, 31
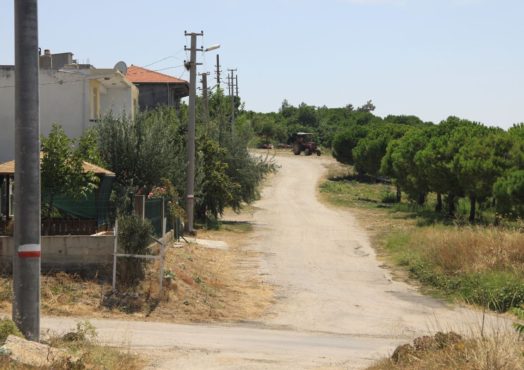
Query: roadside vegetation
478, 264
78, 349
200, 285
445, 351
148, 156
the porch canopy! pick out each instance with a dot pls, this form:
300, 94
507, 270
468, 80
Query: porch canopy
94, 206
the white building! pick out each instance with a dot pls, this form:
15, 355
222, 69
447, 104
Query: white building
72, 95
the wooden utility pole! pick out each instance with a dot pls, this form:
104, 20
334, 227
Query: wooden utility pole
190, 186
26, 256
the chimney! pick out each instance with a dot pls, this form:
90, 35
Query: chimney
46, 60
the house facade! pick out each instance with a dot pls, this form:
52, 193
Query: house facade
72, 95
157, 89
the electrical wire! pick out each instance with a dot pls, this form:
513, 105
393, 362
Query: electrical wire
175, 56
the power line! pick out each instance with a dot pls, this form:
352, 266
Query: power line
165, 58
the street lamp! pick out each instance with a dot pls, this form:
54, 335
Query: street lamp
212, 47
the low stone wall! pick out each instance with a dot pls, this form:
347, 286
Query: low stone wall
70, 253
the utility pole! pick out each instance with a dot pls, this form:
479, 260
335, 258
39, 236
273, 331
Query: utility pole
190, 188
26, 256
236, 85
218, 71
205, 96
232, 94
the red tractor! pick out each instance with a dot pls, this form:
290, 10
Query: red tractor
303, 142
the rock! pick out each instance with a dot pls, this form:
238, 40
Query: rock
447, 339
425, 343
403, 353
33, 353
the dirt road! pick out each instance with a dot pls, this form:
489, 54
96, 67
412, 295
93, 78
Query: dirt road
336, 307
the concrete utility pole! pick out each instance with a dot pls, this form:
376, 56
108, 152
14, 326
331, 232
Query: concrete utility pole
218, 71
205, 96
26, 256
190, 188
236, 85
232, 94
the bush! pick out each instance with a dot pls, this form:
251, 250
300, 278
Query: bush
134, 234
7, 328
389, 197
133, 237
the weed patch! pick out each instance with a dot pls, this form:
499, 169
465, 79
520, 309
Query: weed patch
446, 351
480, 266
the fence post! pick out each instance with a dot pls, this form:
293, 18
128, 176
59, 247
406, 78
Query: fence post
140, 206
115, 250
164, 226
162, 251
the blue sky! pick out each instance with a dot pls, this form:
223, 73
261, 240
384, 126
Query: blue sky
432, 58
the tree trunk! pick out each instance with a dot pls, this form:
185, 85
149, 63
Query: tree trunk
472, 208
421, 199
399, 194
438, 207
451, 205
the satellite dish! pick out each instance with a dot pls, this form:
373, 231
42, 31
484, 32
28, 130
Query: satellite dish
121, 67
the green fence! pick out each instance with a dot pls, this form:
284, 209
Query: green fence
154, 213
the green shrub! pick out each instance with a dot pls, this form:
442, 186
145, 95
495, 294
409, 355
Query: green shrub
7, 328
134, 236
389, 197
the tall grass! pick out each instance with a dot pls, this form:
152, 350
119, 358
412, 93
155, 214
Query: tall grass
484, 266
500, 351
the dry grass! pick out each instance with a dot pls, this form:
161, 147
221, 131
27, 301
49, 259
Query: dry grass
497, 352
205, 285
61, 294
213, 285
471, 249
82, 351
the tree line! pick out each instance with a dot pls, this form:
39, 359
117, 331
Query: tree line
454, 159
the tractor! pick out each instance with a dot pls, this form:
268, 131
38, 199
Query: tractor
303, 142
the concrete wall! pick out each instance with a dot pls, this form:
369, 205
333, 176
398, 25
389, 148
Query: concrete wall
117, 101
7, 112
61, 103
71, 253
66, 253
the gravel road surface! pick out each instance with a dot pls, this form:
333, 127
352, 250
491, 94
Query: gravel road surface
336, 307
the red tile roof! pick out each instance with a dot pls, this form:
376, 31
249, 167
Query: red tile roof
141, 75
